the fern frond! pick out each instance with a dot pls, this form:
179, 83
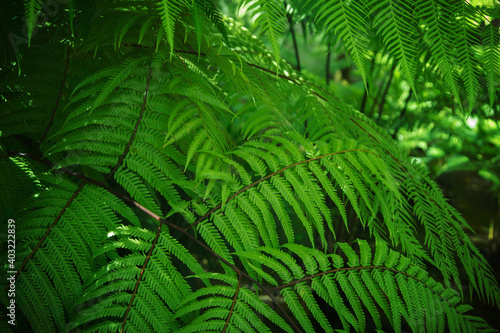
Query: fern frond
391, 283
206, 7
160, 284
64, 261
270, 15
491, 59
465, 42
134, 185
348, 21
440, 30
32, 11
169, 11
254, 179
396, 24
116, 77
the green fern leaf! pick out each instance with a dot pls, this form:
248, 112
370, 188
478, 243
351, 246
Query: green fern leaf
466, 59
270, 14
396, 24
169, 11
348, 21
32, 8
491, 59
438, 19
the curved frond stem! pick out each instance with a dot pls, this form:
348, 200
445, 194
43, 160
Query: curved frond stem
271, 175
209, 250
47, 232
138, 122
184, 231
288, 78
235, 298
373, 267
134, 293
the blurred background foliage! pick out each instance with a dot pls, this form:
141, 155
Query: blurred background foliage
461, 149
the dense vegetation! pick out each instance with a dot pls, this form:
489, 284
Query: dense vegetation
167, 171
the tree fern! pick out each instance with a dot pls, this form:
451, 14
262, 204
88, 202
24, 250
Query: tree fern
438, 19
270, 15
490, 55
446, 31
466, 57
348, 20
170, 11
179, 179
32, 9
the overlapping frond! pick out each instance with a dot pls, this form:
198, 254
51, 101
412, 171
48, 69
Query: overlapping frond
439, 28
491, 58
465, 42
359, 285
395, 22
170, 11
270, 15
63, 217
348, 21
449, 33
208, 186
162, 282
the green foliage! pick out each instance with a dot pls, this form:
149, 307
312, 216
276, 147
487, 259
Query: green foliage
348, 21
446, 35
179, 177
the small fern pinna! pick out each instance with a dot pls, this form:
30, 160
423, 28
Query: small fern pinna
167, 172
